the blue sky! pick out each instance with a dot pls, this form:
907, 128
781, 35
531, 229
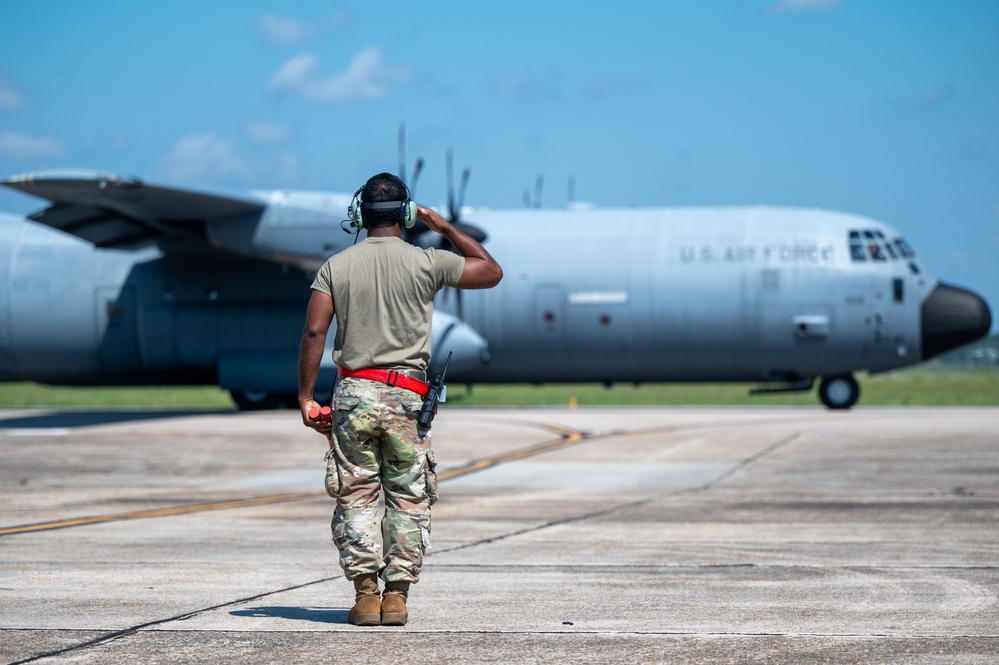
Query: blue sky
886, 108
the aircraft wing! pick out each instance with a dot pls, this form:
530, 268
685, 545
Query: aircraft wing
123, 212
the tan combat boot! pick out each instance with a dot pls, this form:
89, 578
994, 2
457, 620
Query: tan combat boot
394, 604
367, 608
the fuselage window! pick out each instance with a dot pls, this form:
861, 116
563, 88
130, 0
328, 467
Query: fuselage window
874, 247
913, 267
898, 289
856, 247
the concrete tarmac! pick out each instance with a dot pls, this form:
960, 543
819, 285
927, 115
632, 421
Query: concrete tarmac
612, 535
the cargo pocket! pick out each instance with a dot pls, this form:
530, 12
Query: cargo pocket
340, 535
342, 406
332, 482
430, 476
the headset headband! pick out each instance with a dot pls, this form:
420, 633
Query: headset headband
382, 205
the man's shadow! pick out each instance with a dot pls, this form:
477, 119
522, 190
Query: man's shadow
315, 614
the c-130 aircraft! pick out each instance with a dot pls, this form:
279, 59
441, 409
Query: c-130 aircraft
119, 282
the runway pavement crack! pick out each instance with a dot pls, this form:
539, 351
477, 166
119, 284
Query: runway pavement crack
547, 525
773, 447
127, 632
631, 504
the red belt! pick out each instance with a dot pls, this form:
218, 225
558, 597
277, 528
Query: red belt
391, 377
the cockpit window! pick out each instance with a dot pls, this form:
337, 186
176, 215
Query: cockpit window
904, 248
872, 244
874, 247
856, 247
887, 245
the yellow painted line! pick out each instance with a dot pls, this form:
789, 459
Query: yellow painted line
161, 512
567, 437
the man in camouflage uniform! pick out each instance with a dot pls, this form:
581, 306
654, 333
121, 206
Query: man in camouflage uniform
382, 293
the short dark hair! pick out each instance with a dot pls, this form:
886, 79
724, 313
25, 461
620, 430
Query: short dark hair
380, 188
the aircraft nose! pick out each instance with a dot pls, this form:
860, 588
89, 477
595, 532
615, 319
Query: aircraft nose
952, 316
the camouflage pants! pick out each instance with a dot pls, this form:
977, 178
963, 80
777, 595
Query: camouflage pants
376, 448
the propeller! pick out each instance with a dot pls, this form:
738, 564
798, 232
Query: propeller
410, 235
454, 206
417, 168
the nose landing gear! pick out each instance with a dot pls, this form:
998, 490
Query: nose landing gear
839, 392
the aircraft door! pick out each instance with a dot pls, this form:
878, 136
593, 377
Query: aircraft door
793, 330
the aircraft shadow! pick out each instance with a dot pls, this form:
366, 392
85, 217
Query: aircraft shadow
50, 420
317, 615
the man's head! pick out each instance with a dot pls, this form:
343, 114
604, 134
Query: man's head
383, 188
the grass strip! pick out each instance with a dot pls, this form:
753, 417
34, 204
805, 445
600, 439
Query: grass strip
911, 387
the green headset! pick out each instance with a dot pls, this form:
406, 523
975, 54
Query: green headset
406, 208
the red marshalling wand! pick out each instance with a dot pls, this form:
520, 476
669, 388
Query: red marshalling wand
326, 415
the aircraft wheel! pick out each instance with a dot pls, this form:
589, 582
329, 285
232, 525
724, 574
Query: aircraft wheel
839, 392
255, 400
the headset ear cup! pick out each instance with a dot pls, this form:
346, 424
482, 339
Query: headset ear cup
408, 213
355, 215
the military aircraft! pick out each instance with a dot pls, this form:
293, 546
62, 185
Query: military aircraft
121, 282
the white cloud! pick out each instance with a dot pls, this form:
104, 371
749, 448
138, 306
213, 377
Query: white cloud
285, 30
10, 97
203, 156
267, 132
367, 77
785, 6
22, 145
209, 157
293, 73
282, 30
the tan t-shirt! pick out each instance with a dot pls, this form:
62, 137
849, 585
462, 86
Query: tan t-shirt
383, 295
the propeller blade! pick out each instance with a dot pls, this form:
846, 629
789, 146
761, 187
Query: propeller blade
471, 231
402, 151
537, 190
416, 176
465, 175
